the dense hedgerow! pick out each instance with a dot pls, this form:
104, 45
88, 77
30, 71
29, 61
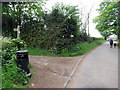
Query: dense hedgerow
12, 76
78, 49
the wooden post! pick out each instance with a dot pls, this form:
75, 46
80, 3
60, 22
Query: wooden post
18, 31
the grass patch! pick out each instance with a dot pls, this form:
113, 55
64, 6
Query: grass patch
38, 51
77, 50
82, 48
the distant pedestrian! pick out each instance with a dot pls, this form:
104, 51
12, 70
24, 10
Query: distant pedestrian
115, 44
111, 43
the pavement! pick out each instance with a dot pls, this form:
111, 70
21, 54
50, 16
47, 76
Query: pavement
52, 72
96, 69
99, 69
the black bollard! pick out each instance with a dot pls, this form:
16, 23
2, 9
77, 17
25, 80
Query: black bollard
23, 61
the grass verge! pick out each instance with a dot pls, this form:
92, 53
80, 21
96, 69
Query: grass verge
78, 49
38, 51
83, 48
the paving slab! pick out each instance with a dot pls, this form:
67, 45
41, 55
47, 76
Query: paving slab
52, 72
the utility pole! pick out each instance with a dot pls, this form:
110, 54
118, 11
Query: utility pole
88, 24
89, 17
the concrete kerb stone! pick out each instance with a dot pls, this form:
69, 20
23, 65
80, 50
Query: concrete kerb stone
67, 81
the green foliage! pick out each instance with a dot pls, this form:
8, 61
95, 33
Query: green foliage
82, 48
51, 31
62, 22
18, 43
38, 51
78, 49
119, 24
13, 43
19, 13
41, 29
107, 20
12, 76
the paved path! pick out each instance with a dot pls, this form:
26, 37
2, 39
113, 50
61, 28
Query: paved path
51, 72
99, 69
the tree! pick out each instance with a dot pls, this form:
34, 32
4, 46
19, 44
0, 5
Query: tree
62, 25
107, 20
19, 13
119, 23
53, 31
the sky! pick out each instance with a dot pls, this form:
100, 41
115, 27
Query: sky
86, 5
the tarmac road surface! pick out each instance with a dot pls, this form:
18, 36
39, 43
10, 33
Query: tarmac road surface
99, 69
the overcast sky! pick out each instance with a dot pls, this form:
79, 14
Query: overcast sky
86, 5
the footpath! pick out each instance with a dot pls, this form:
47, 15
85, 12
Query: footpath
52, 72
99, 69
95, 69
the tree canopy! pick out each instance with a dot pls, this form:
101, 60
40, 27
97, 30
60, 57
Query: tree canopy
18, 13
119, 23
62, 26
107, 19
53, 31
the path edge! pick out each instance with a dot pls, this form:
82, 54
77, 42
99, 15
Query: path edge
80, 60
67, 81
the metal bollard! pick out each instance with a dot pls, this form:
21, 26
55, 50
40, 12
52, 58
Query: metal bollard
23, 61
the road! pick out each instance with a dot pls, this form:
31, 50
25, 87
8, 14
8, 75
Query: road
99, 69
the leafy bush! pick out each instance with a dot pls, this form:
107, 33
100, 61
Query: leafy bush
11, 75
16, 43
10, 47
